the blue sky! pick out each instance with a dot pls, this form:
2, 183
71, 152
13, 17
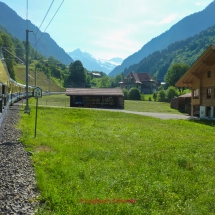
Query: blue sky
106, 28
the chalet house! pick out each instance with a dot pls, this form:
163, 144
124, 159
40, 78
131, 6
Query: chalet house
96, 97
143, 81
200, 78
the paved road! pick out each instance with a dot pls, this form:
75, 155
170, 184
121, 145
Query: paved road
156, 115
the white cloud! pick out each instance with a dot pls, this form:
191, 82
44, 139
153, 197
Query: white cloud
168, 19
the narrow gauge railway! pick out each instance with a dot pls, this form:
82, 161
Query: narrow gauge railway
10, 90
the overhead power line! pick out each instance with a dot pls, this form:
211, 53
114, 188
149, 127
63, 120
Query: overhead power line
45, 16
49, 23
13, 55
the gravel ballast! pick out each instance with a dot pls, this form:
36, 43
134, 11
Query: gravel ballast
18, 191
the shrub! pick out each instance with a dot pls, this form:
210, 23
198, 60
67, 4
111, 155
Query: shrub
134, 94
142, 97
171, 93
155, 96
161, 96
125, 94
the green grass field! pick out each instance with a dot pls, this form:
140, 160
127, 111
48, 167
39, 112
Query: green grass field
140, 106
95, 162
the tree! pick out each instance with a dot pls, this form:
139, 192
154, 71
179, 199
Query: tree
118, 78
77, 75
155, 96
175, 72
161, 96
125, 94
6, 41
171, 93
105, 82
20, 51
134, 94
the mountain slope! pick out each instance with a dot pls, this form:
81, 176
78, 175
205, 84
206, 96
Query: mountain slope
17, 27
187, 27
185, 51
93, 64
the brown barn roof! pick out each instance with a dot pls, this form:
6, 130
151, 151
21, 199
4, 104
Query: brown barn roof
187, 95
94, 92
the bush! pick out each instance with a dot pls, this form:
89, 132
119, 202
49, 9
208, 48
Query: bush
161, 96
125, 94
150, 99
155, 94
142, 97
171, 93
134, 94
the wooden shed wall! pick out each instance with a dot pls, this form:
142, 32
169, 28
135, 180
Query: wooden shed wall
97, 101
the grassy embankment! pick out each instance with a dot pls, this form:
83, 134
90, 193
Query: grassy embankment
43, 81
93, 162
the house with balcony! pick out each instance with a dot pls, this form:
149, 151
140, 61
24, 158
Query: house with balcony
200, 78
143, 81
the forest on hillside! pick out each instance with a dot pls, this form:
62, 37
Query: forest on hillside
157, 64
74, 75
184, 51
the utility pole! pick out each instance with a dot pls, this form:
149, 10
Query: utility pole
35, 78
49, 83
27, 109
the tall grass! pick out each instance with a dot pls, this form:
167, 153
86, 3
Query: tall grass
93, 162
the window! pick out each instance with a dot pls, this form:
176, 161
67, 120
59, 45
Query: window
209, 93
208, 111
209, 74
196, 93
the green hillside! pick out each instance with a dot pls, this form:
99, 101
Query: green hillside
187, 27
43, 81
184, 51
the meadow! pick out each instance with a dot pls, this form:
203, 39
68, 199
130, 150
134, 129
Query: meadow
61, 100
95, 162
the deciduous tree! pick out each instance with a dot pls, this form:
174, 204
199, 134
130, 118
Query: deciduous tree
77, 75
171, 92
175, 72
134, 94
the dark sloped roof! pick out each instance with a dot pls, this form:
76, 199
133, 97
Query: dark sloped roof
135, 76
140, 77
94, 92
145, 77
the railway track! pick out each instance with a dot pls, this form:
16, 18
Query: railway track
18, 191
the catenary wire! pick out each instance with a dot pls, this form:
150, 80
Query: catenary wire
45, 16
13, 55
49, 23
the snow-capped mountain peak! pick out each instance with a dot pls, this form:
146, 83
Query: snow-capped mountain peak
93, 64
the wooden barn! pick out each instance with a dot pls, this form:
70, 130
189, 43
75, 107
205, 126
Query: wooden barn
182, 103
96, 97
